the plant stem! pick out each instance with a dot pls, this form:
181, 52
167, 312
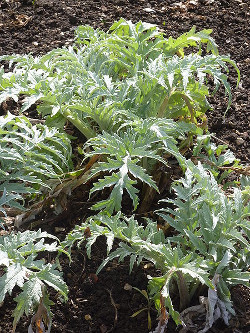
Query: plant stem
163, 107
183, 291
79, 124
164, 104
189, 105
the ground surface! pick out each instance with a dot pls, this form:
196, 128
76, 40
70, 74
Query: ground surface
48, 24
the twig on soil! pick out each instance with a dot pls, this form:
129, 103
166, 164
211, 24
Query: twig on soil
83, 268
238, 170
222, 141
115, 307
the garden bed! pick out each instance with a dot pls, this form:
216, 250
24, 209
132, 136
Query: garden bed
104, 304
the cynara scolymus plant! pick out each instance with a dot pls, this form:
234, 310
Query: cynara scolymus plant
140, 243
138, 98
108, 77
31, 156
214, 226
208, 220
20, 267
210, 245
109, 82
128, 157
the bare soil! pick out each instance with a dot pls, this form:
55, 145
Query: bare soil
104, 305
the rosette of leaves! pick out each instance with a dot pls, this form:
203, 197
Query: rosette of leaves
20, 266
129, 157
31, 156
214, 226
210, 245
109, 79
139, 243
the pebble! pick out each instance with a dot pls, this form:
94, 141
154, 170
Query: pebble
127, 286
149, 10
239, 141
193, 2
87, 317
59, 229
244, 135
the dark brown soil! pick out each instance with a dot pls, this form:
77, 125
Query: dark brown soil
48, 24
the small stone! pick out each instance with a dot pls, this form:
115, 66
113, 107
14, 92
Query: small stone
239, 141
148, 265
59, 229
35, 43
244, 135
149, 10
127, 287
87, 317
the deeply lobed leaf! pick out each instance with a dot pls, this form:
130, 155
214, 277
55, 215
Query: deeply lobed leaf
30, 156
18, 254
